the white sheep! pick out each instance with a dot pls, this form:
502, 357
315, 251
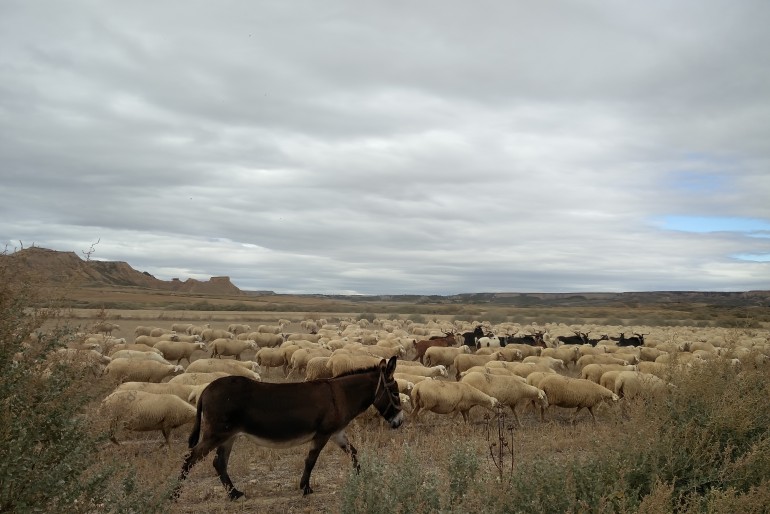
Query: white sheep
463, 361
575, 393
445, 397
343, 363
139, 347
568, 353
444, 355
604, 358
140, 411
177, 389
238, 328
594, 372
209, 334
247, 369
264, 340
300, 358
136, 354
181, 327
632, 384
544, 360
508, 390
88, 361
418, 369
231, 347
272, 358
414, 379
129, 370
197, 378
316, 369
178, 350
151, 340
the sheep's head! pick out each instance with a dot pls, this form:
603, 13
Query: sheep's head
542, 398
176, 370
173, 337
442, 370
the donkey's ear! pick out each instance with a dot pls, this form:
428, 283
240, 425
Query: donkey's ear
391, 367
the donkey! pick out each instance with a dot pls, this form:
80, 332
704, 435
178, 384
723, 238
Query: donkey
288, 414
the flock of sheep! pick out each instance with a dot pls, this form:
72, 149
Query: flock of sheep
159, 375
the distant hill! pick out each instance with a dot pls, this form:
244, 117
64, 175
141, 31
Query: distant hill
68, 268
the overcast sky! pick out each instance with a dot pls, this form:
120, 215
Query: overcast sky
430, 147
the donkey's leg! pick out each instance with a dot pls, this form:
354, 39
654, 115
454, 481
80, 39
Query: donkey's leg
220, 464
200, 450
343, 442
312, 456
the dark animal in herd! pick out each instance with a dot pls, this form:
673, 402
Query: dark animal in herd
470, 338
578, 338
422, 346
281, 415
535, 339
635, 340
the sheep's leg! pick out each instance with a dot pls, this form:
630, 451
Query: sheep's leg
574, 416
343, 442
515, 416
166, 431
312, 456
220, 464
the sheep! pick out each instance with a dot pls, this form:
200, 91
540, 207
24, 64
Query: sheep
659, 369
238, 328
266, 340
444, 355
510, 354
508, 390
650, 354
197, 378
140, 347
181, 327
567, 354
404, 386
140, 411
247, 369
272, 358
342, 363
414, 379
602, 358
525, 349
151, 340
105, 327
445, 397
87, 361
300, 358
386, 352
178, 350
136, 354
594, 372
576, 393
632, 384
270, 329
463, 362
316, 368
522, 369
608, 378
158, 332
177, 389
231, 347
129, 370
433, 371
551, 362
209, 334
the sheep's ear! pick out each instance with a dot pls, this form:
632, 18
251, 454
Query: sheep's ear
391, 366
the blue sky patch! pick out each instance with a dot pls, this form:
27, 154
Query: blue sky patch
705, 224
754, 257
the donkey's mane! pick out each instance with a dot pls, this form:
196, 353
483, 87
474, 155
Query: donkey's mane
359, 371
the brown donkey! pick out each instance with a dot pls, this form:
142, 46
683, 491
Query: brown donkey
288, 414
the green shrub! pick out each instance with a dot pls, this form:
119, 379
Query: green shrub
49, 451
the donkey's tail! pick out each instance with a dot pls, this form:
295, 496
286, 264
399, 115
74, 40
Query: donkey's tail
196, 431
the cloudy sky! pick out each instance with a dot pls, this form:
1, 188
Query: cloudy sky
432, 147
